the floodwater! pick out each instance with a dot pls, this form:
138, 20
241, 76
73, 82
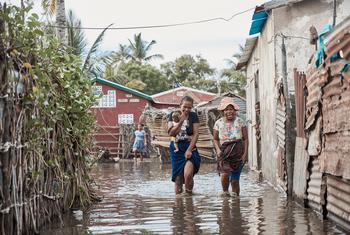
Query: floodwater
138, 198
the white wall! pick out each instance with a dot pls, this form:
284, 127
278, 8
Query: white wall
262, 59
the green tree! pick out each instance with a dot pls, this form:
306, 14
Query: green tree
188, 71
149, 75
232, 62
137, 85
139, 50
234, 80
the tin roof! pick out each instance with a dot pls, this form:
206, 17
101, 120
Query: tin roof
247, 52
123, 88
240, 101
261, 13
259, 19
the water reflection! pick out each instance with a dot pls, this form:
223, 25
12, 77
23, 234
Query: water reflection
138, 198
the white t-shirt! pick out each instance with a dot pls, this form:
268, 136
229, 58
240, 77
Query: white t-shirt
229, 131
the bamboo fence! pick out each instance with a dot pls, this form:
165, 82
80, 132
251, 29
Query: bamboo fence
40, 182
156, 120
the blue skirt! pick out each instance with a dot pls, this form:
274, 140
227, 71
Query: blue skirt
178, 159
139, 146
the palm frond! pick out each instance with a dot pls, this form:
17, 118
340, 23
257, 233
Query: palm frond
149, 46
94, 47
49, 7
76, 36
155, 56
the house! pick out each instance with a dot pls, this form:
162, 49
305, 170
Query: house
279, 24
172, 98
117, 106
213, 103
276, 54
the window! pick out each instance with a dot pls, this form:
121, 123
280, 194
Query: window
97, 90
105, 101
125, 118
180, 93
111, 98
123, 100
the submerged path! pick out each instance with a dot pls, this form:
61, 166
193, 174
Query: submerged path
138, 198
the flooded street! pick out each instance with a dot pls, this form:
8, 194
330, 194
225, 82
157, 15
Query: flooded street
138, 198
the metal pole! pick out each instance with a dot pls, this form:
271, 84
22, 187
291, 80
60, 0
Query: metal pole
288, 136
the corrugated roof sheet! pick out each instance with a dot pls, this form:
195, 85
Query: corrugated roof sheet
123, 88
248, 50
279, 3
240, 101
259, 19
261, 13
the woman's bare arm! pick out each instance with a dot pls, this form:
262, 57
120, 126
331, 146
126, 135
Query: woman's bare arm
217, 142
194, 137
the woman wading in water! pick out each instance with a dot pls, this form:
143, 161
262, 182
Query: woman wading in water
231, 144
185, 161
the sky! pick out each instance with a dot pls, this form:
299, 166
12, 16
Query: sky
214, 41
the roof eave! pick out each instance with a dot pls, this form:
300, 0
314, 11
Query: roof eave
123, 88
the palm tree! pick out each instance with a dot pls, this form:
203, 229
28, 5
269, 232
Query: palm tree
234, 80
76, 36
232, 62
57, 7
92, 63
139, 50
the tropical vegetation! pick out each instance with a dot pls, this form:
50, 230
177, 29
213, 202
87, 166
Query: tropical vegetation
45, 122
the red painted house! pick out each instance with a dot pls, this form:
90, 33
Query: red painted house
117, 105
172, 98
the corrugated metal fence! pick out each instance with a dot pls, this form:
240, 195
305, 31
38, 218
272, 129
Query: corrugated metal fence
327, 127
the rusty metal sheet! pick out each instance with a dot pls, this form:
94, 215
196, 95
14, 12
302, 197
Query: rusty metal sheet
323, 76
314, 96
338, 200
316, 187
339, 42
335, 156
336, 108
299, 84
346, 76
334, 87
336, 67
301, 174
314, 140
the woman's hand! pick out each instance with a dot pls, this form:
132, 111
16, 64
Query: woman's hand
183, 116
188, 154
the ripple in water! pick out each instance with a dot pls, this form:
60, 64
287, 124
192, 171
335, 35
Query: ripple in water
138, 198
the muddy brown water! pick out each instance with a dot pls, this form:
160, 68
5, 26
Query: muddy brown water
138, 198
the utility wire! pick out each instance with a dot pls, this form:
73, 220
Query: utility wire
160, 26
